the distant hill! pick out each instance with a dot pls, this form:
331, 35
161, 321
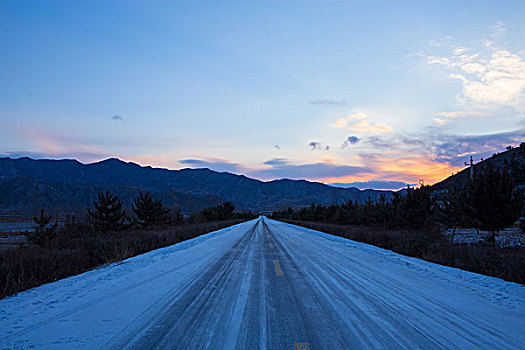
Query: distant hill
27, 185
513, 158
27, 195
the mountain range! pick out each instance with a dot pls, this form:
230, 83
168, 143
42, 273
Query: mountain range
26, 185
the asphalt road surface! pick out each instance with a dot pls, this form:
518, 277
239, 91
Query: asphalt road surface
269, 285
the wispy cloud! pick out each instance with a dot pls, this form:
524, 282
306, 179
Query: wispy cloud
499, 30
343, 122
117, 117
490, 76
406, 167
86, 157
150, 159
351, 140
327, 102
440, 121
464, 114
432, 155
367, 127
444, 147
277, 147
360, 122
317, 146
53, 145
282, 168
46, 143
276, 162
452, 149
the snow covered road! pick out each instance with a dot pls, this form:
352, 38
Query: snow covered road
268, 285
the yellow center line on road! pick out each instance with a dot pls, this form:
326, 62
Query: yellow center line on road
271, 245
278, 270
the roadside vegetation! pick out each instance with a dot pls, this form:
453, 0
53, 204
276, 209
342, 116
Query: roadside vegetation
105, 235
412, 223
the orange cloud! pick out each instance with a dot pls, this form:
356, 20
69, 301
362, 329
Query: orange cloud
359, 122
416, 168
44, 143
365, 126
52, 145
343, 122
407, 169
351, 178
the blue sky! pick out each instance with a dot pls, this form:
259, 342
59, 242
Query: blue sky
333, 91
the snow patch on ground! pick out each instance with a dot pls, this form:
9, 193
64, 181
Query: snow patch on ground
510, 237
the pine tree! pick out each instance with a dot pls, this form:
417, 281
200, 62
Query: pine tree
44, 232
452, 211
226, 211
176, 217
492, 201
150, 212
414, 209
384, 210
218, 213
107, 215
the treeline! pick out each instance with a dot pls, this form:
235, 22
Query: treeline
225, 211
107, 234
489, 201
412, 210
108, 216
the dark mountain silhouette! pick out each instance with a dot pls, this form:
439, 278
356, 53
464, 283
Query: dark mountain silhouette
26, 195
61, 184
513, 159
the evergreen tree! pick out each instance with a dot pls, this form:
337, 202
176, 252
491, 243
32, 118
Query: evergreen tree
384, 211
150, 211
414, 209
44, 232
452, 211
492, 201
226, 211
107, 215
177, 218
218, 213
517, 167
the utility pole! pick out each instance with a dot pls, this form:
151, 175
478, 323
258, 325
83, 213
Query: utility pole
471, 167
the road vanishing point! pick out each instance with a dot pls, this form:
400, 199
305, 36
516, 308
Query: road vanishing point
264, 284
